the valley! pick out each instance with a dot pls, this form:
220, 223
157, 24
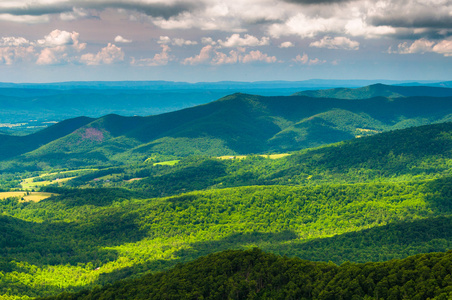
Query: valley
340, 191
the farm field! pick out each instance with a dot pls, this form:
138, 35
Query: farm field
27, 196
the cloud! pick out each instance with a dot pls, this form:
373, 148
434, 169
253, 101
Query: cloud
120, 39
223, 59
24, 19
422, 46
208, 41
62, 38
159, 59
209, 55
305, 60
163, 9
258, 56
304, 18
12, 41
77, 14
107, 55
443, 47
52, 56
11, 54
248, 41
304, 26
176, 41
286, 45
303, 2
57, 47
336, 43
202, 57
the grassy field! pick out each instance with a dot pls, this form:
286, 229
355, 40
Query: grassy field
28, 184
271, 156
167, 163
27, 197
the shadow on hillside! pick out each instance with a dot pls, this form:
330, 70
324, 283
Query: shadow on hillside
439, 195
61, 243
234, 241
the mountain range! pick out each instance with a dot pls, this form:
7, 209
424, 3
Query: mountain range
353, 204
233, 125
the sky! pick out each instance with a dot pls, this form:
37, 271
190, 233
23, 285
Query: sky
210, 40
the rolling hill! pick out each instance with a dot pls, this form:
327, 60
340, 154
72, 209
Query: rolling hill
253, 274
236, 124
370, 199
380, 90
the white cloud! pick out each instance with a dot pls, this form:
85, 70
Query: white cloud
52, 56
12, 41
302, 59
107, 55
358, 27
305, 60
120, 39
223, 59
336, 43
208, 41
10, 55
304, 26
55, 48
159, 59
248, 41
443, 47
419, 46
176, 41
258, 56
286, 45
62, 38
202, 57
76, 14
211, 56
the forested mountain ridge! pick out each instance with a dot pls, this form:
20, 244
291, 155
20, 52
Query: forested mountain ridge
11, 146
370, 199
125, 197
379, 90
253, 274
240, 124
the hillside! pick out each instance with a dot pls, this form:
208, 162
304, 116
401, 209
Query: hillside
379, 90
86, 237
253, 274
237, 124
375, 198
11, 146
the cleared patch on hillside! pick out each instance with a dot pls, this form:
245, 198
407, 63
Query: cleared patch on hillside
27, 196
270, 156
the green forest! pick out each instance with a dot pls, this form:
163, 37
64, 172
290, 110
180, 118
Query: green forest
178, 215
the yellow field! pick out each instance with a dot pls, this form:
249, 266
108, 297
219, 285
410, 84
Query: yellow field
32, 196
271, 156
232, 157
167, 163
28, 183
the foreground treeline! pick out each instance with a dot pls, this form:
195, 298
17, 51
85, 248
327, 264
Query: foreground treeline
83, 238
253, 274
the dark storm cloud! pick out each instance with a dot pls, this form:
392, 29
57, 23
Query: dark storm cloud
36, 10
317, 1
150, 9
425, 21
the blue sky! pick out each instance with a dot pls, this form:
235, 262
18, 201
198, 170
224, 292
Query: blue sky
210, 40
